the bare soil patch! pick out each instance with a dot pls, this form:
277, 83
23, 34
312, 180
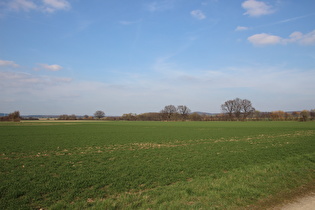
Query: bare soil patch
302, 198
304, 203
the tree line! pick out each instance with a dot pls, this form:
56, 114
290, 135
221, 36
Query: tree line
14, 117
232, 110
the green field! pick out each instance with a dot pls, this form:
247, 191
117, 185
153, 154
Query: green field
153, 165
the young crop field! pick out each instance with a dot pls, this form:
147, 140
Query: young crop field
154, 165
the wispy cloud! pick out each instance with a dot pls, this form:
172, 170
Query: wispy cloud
276, 82
53, 67
143, 93
305, 39
294, 18
296, 37
48, 6
160, 5
198, 14
241, 28
53, 5
256, 8
25, 5
25, 80
8, 63
284, 21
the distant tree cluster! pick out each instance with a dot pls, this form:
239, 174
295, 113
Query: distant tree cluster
303, 116
30, 118
97, 115
67, 117
170, 112
150, 116
238, 108
14, 116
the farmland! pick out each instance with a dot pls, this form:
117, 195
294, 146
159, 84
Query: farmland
132, 165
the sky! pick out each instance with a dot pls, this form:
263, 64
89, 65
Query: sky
122, 56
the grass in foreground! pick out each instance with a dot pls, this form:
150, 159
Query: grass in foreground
121, 165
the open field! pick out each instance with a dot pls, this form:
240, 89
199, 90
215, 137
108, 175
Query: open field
143, 165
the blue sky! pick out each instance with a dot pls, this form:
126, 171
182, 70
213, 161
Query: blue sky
78, 56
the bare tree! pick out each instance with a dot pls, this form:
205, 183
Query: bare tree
228, 107
238, 108
168, 111
247, 108
183, 111
99, 114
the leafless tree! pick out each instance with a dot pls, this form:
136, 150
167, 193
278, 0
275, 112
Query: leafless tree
228, 107
183, 111
238, 108
247, 108
168, 111
99, 114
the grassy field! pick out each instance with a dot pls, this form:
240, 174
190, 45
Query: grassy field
153, 165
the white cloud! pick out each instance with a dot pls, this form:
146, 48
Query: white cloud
275, 83
25, 5
53, 67
35, 94
53, 5
256, 8
295, 37
49, 6
198, 14
8, 63
24, 80
306, 39
264, 39
241, 28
